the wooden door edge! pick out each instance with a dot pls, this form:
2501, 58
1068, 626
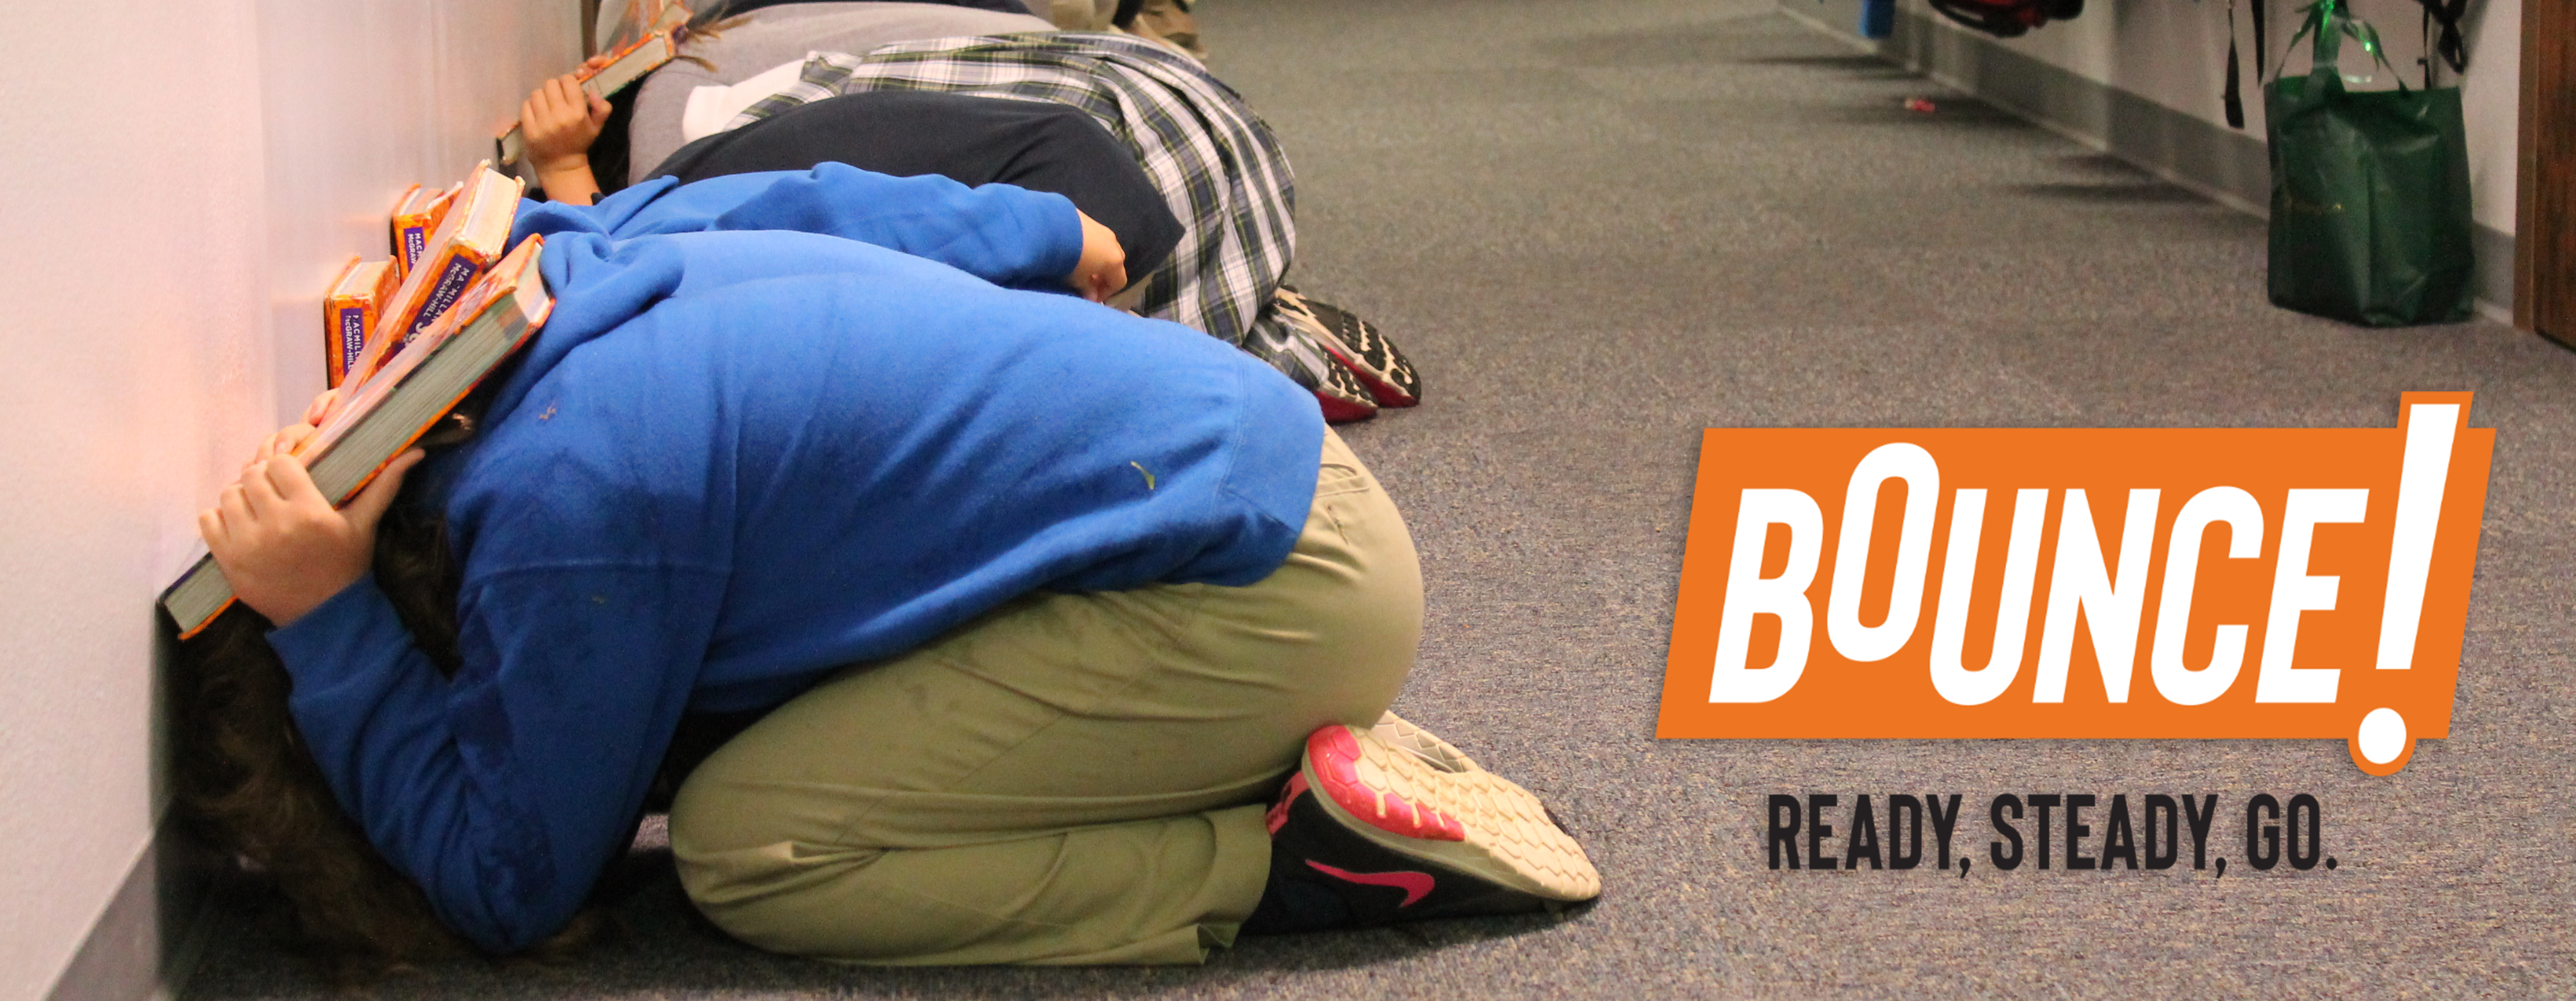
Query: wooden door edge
2526, 263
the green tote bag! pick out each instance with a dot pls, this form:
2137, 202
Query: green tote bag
2370, 191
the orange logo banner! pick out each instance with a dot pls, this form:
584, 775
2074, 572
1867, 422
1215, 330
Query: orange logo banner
2082, 582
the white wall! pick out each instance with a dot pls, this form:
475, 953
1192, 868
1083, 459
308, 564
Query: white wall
427, 110
2174, 52
177, 183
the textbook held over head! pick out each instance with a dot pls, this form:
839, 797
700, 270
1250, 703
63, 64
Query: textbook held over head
383, 413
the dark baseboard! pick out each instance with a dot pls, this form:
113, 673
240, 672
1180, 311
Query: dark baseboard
146, 942
2227, 165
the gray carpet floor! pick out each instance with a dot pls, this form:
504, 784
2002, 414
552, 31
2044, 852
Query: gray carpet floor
1599, 227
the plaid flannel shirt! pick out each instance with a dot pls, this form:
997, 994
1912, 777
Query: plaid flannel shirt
1212, 158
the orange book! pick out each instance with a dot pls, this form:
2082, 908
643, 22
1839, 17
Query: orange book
638, 18
468, 239
629, 64
625, 66
349, 311
415, 217
387, 413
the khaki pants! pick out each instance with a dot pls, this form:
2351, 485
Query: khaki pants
1071, 778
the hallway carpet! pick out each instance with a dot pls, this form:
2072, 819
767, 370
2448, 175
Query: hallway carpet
1600, 227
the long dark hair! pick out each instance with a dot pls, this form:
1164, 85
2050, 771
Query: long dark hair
248, 786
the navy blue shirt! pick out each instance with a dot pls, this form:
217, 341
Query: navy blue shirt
736, 458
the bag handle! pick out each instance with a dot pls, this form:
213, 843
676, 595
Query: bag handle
2451, 47
2331, 23
2231, 97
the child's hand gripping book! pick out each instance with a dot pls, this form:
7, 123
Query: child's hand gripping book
623, 68
379, 418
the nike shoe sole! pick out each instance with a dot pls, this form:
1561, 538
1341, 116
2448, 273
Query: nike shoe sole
1469, 821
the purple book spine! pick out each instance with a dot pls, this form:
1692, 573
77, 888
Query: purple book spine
353, 335
460, 272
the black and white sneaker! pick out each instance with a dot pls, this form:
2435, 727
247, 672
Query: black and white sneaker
1392, 824
1375, 361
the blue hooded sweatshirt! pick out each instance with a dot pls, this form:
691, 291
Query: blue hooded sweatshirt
737, 457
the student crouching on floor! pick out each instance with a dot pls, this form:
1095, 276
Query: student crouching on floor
1196, 186
1070, 635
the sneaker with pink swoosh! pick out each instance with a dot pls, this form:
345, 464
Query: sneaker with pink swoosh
1399, 825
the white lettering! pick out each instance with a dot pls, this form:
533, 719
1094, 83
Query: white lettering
1856, 642
1748, 594
2180, 684
2420, 479
1953, 679
2109, 600
2294, 591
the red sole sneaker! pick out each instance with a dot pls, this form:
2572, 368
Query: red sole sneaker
1472, 822
1371, 359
